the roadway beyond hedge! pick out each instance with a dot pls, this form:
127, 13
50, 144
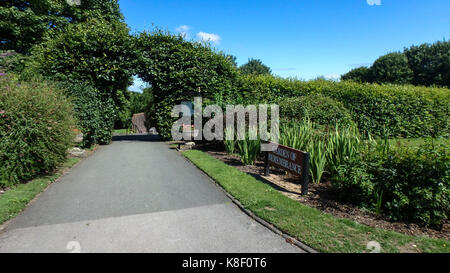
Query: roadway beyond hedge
319, 230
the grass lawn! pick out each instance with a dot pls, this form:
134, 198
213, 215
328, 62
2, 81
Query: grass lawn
319, 230
16, 199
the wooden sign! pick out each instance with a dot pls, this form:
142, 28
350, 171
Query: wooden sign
290, 160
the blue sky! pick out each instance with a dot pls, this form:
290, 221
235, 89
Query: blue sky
298, 38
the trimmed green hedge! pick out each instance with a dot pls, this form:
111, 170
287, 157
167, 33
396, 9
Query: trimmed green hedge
399, 110
320, 109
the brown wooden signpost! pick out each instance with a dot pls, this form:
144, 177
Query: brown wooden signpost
290, 160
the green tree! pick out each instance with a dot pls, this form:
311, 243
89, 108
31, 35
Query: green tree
391, 68
255, 67
430, 63
24, 23
360, 74
97, 52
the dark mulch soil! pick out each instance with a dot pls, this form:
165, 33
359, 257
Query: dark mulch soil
322, 197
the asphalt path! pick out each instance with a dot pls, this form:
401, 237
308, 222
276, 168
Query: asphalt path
136, 195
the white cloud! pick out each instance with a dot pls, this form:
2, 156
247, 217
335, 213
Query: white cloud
332, 76
183, 30
374, 2
209, 37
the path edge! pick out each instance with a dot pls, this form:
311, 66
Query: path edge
289, 239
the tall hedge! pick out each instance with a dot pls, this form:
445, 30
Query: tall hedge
400, 110
36, 129
179, 70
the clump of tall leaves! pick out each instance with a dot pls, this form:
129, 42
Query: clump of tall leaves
318, 159
342, 145
230, 142
296, 135
249, 147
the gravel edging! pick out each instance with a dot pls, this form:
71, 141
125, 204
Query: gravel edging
289, 239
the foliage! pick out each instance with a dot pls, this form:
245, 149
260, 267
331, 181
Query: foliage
318, 159
360, 74
255, 67
249, 148
11, 61
318, 230
430, 63
405, 111
426, 65
179, 70
342, 145
87, 110
36, 129
320, 109
296, 135
98, 52
230, 141
414, 182
391, 68
25, 23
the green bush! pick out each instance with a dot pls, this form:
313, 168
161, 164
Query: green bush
415, 184
36, 129
87, 110
402, 110
318, 108
409, 184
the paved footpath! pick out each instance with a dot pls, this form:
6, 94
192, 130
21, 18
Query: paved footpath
136, 195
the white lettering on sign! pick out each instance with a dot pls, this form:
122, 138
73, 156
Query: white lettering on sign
285, 163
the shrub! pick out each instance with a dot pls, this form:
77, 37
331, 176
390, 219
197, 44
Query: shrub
415, 184
404, 110
318, 108
354, 183
405, 183
36, 129
87, 110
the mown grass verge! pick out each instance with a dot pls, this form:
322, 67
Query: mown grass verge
13, 201
319, 230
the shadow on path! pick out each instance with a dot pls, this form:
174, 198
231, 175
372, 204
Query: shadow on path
137, 137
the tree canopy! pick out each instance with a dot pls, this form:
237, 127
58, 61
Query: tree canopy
391, 68
427, 65
25, 23
255, 67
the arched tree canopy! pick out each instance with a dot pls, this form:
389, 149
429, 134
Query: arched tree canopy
179, 70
